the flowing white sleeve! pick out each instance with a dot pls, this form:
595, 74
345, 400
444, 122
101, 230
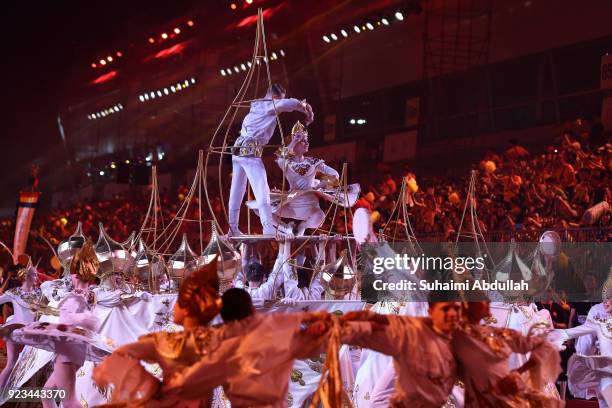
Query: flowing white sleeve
4, 298
108, 298
290, 284
583, 330
277, 271
544, 356
267, 290
587, 345
560, 336
288, 105
315, 288
328, 171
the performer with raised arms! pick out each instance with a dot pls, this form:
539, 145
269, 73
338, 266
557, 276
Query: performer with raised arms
257, 130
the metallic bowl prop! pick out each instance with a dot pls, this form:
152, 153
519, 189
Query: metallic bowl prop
338, 278
70, 246
228, 258
113, 256
130, 244
147, 270
183, 262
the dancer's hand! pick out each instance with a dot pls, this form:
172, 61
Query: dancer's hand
309, 113
557, 338
287, 302
316, 329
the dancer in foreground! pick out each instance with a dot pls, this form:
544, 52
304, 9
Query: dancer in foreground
265, 352
257, 130
482, 354
420, 348
198, 303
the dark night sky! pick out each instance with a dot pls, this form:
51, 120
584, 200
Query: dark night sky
43, 43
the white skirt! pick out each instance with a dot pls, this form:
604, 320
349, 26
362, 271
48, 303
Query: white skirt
74, 343
586, 375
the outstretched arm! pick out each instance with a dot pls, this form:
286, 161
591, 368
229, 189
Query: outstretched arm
559, 336
4, 298
143, 349
292, 104
386, 334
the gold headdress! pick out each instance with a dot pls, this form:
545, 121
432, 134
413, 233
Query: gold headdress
23, 273
199, 295
286, 151
298, 128
85, 263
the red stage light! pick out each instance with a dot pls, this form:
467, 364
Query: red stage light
249, 1
190, 23
104, 78
109, 58
93, 65
177, 31
119, 54
164, 36
253, 19
167, 52
102, 62
151, 40
233, 6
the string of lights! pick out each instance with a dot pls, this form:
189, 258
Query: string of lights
166, 91
372, 23
106, 112
169, 34
244, 66
107, 60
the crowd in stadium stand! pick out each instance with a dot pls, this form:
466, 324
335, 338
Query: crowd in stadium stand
565, 186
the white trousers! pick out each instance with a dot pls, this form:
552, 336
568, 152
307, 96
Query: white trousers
253, 170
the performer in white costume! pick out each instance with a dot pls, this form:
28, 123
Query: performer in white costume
253, 273
590, 374
73, 339
257, 130
302, 201
294, 289
23, 299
